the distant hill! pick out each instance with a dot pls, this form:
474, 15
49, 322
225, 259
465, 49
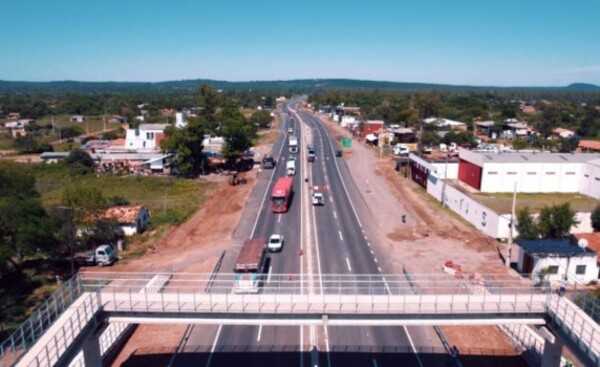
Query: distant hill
299, 85
583, 87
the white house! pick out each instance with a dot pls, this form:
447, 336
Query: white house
556, 258
559, 132
590, 179
145, 137
347, 120
180, 121
77, 118
213, 144
131, 219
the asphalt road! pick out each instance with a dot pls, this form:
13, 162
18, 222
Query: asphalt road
337, 242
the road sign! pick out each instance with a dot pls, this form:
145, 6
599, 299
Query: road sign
346, 143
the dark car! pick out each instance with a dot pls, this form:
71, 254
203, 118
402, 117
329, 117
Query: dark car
268, 161
338, 153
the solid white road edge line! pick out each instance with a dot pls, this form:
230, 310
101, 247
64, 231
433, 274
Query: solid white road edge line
214, 346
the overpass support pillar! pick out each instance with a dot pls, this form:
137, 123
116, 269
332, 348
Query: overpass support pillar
552, 349
91, 350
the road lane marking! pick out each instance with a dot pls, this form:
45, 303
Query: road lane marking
334, 214
413, 346
330, 199
379, 268
348, 263
269, 274
341, 238
214, 346
386, 286
375, 363
372, 252
259, 332
376, 260
369, 244
279, 218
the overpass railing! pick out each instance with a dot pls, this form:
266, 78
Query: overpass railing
36, 325
291, 293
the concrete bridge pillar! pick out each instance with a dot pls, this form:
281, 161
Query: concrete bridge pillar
552, 349
91, 351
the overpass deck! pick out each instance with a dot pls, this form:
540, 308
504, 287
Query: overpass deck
293, 300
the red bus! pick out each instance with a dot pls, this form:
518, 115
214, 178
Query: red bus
280, 196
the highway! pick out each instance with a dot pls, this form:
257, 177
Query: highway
329, 239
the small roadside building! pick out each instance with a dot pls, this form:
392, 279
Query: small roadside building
557, 258
77, 118
132, 219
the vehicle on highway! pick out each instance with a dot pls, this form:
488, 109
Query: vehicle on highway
401, 149
101, 255
318, 199
281, 194
338, 153
268, 161
291, 167
275, 243
249, 266
290, 130
293, 144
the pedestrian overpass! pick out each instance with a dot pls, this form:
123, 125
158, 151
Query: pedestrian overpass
98, 301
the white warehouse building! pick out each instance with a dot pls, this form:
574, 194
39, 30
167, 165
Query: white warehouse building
531, 172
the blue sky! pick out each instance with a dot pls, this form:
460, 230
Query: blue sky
473, 42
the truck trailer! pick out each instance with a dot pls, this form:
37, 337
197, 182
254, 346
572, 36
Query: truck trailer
249, 266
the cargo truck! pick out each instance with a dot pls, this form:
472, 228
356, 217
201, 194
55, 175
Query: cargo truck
249, 266
293, 144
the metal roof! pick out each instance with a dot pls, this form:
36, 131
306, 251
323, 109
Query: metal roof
553, 247
481, 158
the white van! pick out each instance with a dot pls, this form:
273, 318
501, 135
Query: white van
291, 167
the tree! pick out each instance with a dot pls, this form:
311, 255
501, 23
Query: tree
25, 227
556, 221
526, 225
80, 162
596, 219
567, 145
236, 131
85, 207
210, 100
261, 119
186, 147
26, 144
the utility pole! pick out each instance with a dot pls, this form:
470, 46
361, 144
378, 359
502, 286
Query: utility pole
510, 227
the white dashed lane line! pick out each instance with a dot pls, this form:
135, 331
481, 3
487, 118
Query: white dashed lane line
341, 238
348, 263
